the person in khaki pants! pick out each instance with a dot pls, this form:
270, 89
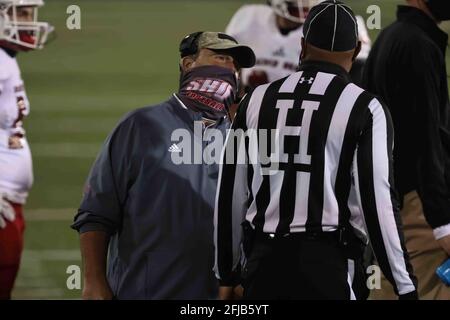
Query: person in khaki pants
425, 253
406, 68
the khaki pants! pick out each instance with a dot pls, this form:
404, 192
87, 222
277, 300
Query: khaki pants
425, 253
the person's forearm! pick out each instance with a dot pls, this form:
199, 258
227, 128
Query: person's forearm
375, 185
94, 246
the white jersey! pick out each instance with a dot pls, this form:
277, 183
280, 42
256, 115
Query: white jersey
276, 54
16, 173
363, 34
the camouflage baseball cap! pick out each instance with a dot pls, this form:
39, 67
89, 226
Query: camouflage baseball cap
218, 41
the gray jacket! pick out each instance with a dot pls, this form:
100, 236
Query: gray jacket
159, 214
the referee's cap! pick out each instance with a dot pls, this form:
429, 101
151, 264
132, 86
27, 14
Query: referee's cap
331, 25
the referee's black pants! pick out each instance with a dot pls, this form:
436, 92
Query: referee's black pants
297, 268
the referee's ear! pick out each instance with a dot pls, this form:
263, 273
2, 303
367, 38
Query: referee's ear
303, 52
357, 51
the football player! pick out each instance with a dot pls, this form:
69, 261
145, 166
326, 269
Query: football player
19, 31
274, 31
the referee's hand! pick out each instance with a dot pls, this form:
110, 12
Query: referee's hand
409, 296
230, 293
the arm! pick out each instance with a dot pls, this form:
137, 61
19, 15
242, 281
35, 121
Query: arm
94, 246
100, 214
5, 74
231, 204
433, 188
373, 168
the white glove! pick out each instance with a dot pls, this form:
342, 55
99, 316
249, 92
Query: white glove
7, 212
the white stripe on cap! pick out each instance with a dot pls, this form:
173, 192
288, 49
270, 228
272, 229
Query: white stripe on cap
336, 5
356, 24
312, 20
335, 25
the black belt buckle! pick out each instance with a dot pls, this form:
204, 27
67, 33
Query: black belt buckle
312, 236
352, 247
343, 239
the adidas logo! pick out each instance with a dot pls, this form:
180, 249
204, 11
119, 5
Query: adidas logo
174, 148
279, 52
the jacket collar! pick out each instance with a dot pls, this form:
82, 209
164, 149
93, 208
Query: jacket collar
180, 108
189, 114
323, 66
423, 21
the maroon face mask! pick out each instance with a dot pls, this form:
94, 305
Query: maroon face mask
209, 89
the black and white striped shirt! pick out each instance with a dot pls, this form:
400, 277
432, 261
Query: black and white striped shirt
333, 150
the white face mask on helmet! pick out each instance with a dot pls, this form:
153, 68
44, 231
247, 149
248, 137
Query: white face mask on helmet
26, 34
294, 10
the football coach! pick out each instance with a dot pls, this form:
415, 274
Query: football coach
145, 222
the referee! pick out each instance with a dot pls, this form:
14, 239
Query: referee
307, 213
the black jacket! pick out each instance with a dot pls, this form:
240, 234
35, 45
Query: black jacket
406, 67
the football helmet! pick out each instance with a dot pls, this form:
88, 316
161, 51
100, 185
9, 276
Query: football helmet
26, 33
294, 10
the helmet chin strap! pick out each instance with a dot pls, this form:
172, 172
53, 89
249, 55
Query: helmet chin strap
13, 46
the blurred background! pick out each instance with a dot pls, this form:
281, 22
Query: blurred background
125, 56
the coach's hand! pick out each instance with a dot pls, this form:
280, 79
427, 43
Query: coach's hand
445, 244
7, 212
97, 290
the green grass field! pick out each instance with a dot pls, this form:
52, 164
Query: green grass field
124, 57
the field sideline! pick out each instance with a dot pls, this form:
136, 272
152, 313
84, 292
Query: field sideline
124, 57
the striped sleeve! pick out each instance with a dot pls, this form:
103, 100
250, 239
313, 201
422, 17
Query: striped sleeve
373, 168
231, 199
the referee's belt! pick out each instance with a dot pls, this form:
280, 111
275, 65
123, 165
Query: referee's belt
309, 235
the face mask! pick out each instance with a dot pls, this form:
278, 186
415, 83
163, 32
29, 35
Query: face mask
440, 9
209, 89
